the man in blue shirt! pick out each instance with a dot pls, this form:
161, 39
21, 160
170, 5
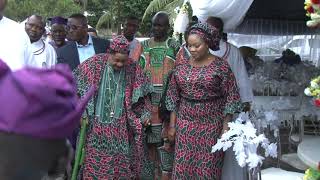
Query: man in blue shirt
81, 45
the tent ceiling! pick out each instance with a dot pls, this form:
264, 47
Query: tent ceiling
292, 10
275, 17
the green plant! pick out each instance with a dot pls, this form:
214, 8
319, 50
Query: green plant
19, 10
311, 174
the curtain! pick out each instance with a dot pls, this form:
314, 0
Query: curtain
231, 12
271, 37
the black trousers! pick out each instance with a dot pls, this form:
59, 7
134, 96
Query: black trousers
28, 158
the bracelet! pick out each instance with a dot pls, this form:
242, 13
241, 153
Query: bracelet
172, 126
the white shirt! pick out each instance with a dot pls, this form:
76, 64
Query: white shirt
86, 51
44, 54
15, 48
235, 60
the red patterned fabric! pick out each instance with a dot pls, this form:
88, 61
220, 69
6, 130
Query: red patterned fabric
120, 44
201, 96
115, 150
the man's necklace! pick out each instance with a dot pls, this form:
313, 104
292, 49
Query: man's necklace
113, 96
41, 50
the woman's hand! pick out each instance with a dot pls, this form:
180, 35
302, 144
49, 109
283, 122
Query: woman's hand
172, 134
225, 128
172, 127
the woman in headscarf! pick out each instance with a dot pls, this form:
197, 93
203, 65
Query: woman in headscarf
117, 114
202, 97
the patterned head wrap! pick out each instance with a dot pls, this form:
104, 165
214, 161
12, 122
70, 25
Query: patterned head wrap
119, 44
208, 33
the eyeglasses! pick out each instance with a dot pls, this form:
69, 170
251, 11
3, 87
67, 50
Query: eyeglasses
74, 27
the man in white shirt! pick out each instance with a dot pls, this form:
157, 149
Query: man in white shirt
232, 54
44, 53
231, 170
14, 43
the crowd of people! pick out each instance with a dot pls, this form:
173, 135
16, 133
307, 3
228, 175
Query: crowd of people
156, 110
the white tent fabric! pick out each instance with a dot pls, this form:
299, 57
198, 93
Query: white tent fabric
270, 47
231, 12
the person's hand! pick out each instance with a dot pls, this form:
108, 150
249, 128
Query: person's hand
225, 128
246, 107
171, 134
147, 123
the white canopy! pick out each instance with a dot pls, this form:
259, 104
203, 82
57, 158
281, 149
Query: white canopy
231, 12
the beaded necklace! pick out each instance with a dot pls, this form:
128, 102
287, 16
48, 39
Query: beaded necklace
113, 96
41, 50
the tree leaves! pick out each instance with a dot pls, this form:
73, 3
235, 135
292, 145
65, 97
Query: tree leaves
115, 14
155, 6
19, 10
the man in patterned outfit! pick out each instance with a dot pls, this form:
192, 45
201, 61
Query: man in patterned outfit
157, 60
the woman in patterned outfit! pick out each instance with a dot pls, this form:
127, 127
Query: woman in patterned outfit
114, 141
202, 96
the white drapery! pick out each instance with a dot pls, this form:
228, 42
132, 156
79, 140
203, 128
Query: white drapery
231, 12
270, 47
271, 37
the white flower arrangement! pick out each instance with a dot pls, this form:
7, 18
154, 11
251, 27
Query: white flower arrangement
314, 90
182, 20
243, 136
313, 11
307, 92
272, 119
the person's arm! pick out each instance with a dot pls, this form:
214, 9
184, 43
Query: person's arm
226, 120
172, 104
232, 96
239, 70
172, 127
237, 65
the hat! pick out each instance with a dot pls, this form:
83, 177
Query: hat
58, 20
208, 33
120, 44
41, 103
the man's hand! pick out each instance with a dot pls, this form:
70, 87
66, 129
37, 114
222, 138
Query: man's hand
172, 134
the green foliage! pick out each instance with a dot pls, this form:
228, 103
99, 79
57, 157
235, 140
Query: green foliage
138, 8
155, 6
19, 10
115, 15
102, 13
97, 8
104, 21
312, 174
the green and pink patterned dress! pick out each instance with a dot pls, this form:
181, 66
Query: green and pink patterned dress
114, 147
201, 97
